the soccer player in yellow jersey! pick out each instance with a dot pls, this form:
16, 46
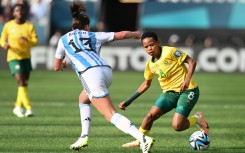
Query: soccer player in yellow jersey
180, 91
18, 35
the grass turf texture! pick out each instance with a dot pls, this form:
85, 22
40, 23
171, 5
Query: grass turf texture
56, 124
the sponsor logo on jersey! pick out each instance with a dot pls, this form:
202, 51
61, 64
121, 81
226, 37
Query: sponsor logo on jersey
177, 53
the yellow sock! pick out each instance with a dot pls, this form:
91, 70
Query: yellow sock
24, 97
18, 102
145, 132
193, 120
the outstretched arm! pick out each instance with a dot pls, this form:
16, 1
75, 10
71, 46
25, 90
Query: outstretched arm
127, 35
143, 87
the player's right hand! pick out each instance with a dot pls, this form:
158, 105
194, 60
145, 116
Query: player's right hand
137, 35
63, 65
122, 106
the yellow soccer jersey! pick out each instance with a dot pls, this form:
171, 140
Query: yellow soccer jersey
170, 69
12, 32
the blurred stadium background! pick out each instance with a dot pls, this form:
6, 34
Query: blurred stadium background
212, 31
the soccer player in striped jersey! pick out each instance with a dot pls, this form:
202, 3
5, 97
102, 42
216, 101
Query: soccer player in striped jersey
82, 47
18, 35
180, 91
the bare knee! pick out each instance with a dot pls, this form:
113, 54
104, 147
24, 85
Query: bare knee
21, 79
180, 122
177, 127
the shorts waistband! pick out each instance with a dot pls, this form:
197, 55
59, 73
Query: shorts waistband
81, 72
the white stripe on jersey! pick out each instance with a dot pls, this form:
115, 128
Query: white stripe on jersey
83, 48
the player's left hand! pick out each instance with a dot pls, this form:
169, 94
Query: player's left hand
23, 39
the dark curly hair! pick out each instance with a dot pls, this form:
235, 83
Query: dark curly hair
23, 7
149, 34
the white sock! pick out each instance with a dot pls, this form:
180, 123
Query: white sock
125, 125
85, 115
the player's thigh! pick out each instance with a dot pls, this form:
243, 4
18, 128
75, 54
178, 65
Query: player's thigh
15, 67
96, 81
166, 101
187, 101
20, 67
107, 72
27, 65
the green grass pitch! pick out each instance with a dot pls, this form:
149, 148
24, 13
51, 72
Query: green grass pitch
56, 125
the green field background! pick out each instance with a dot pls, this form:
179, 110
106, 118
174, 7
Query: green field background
56, 124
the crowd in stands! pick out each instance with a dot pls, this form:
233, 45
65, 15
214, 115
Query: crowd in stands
192, 40
36, 9
39, 14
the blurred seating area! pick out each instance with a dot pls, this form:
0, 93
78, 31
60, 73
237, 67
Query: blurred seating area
212, 31
207, 23
38, 13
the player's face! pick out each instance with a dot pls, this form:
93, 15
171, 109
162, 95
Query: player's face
18, 12
150, 45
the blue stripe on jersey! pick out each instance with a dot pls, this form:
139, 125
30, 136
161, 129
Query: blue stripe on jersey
72, 53
89, 53
79, 44
92, 36
93, 43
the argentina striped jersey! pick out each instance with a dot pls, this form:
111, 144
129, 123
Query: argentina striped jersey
83, 48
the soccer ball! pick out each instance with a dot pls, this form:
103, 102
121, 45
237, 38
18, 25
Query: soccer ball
199, 141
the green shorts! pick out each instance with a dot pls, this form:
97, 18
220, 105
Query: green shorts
183, 102
20, 66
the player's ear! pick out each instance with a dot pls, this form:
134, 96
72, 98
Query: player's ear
158, 42
86, 27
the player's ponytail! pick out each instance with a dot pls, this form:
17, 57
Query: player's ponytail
78, 12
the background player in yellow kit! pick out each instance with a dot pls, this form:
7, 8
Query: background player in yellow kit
18, 35
180, 91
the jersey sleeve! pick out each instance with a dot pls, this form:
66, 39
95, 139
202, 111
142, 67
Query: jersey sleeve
178, 55
4, 35
60, 51
33, 39
105, 36
148, 75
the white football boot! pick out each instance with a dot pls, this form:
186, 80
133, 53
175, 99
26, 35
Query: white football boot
18, 111
29, 113
146, 144
81, 142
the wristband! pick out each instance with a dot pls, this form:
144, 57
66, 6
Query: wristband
131, 99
